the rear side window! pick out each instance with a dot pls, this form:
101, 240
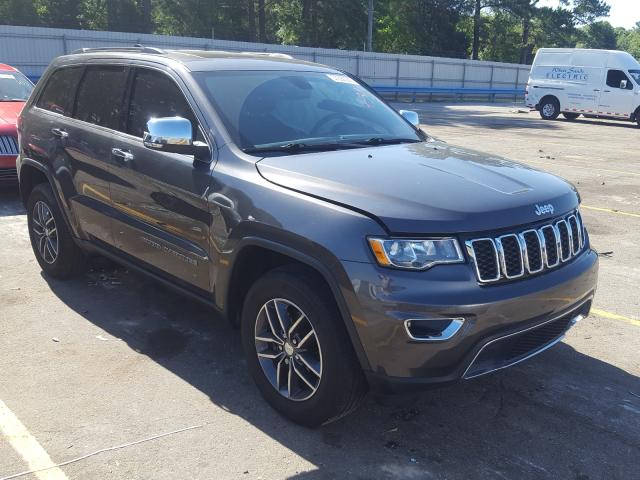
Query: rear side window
101, 96
155, 95
614, 77
59, 92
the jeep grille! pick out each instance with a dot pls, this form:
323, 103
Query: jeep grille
527, 252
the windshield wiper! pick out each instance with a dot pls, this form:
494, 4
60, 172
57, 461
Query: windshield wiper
12, 100
389, 141
296, 147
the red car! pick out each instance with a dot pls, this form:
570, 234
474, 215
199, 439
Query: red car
15, 89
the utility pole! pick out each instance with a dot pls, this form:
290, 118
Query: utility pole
370, 27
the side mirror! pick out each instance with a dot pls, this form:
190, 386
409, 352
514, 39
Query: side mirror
623, 84
170, 134
411, 116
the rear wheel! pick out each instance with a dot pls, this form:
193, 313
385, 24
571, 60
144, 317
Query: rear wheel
570, 116
637, 115
52, 243
297, 349
549, 108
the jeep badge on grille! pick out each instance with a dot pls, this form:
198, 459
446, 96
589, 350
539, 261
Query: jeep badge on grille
542, 209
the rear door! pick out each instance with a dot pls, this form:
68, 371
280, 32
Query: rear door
78, 108
163, 217
617, 98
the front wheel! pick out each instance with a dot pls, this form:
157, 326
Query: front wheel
549, 108
297, 349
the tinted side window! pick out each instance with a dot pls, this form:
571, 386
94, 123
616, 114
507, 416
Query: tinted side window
155, 95
101, 96
60, 90
614, 77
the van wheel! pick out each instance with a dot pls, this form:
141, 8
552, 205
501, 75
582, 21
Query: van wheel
52, 243
297, 349
570, 116
549, 108
637, 115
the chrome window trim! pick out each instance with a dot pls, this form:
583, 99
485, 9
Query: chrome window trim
503, 260
471, 251
526, 250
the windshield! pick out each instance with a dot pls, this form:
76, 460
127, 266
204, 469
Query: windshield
14, 87
263, 109
636, 75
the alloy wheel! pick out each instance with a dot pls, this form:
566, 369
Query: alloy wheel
288, 349
45, 231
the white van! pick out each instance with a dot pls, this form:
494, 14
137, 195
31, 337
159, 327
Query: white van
574, 81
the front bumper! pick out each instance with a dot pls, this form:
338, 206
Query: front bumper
8, 172
382, 300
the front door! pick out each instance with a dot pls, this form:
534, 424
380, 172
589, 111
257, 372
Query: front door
162, 214
617, 97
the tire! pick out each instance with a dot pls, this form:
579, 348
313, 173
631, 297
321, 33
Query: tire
549, 108
637, 115
53, 246
321, 335
570, 116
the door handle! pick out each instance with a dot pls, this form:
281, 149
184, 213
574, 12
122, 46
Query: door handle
125, 155
58, 132
607, 91
596, 90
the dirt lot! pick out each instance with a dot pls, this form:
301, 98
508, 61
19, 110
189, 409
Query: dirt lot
112, 359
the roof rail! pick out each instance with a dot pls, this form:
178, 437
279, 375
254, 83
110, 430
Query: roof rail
270, 54
136, 48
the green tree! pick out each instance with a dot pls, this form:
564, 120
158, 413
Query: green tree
599, 35
629, 40
421, 27
19, 12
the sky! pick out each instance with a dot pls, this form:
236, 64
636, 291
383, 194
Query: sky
624, 13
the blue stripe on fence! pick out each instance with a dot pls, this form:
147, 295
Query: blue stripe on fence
453, 90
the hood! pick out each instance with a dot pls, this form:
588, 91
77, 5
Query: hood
9, 112
426, 188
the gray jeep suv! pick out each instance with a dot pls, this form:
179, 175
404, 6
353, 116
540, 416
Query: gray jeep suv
351, 249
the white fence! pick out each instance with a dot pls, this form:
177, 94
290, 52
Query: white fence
32, 48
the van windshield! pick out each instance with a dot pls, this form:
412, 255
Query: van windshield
264, 110
636, 75
14, 87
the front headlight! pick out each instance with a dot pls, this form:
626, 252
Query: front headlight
415, 254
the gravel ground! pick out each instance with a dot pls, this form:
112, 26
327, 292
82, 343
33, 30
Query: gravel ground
112, 358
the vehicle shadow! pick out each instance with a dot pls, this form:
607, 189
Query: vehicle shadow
561, 415
10, 202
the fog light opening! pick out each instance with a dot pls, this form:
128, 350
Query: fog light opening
433, 329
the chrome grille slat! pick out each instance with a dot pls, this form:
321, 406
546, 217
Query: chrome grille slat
478, 262
511, 262
8, 145
564, 238
527, 252
533, 255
